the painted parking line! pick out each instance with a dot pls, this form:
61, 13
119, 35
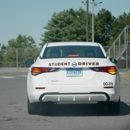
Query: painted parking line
12, 77
121, 72
124, 72
7, 77
21, 75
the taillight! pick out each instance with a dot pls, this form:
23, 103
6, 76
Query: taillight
39, 70
111, 69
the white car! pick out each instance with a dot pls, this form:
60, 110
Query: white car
73, 72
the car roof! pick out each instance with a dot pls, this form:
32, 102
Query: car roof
72, 43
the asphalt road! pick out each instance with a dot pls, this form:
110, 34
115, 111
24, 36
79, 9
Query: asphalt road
14, 116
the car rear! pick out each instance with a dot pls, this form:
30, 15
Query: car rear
73, 73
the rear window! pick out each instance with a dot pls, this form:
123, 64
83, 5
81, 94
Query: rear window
73, 52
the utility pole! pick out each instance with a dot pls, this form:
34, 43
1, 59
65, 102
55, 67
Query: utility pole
93, 20
87, 17
93, 4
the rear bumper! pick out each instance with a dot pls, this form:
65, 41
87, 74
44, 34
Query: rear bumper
74, 97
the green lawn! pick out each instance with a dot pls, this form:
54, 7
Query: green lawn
14, 73
126, 76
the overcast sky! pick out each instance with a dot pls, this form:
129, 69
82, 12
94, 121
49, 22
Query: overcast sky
28, 17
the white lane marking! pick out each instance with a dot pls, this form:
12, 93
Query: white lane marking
22, 75
12, 77
7, 77
123, 72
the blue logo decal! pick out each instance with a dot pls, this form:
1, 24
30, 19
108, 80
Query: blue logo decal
74, 64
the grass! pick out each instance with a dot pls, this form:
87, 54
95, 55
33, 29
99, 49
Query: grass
125, 69
126, 76
14, 73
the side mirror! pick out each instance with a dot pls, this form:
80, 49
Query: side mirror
29, 62
113, 60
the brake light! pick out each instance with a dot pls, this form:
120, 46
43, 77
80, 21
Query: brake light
39, 70
111, 69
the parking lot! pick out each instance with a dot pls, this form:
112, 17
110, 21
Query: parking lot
14, 116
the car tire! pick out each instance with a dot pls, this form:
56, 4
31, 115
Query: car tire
114, 107
33, 108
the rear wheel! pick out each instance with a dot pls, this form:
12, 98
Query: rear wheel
114, 107
33, 108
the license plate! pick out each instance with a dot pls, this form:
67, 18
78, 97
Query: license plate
74, 72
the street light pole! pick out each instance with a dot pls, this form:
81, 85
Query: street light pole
93, 4
87, 10
87, 17
92, 20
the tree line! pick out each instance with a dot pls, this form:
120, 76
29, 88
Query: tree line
67, 25
70, 25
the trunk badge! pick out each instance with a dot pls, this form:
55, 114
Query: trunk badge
74, 64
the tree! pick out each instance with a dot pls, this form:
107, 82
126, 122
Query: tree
103, 26
17, 50
22, 41
119, 24
68, 25
2, 53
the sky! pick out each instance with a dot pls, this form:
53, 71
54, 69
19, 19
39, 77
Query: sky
28, 17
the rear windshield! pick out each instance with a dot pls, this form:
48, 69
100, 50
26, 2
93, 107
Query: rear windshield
73, 52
